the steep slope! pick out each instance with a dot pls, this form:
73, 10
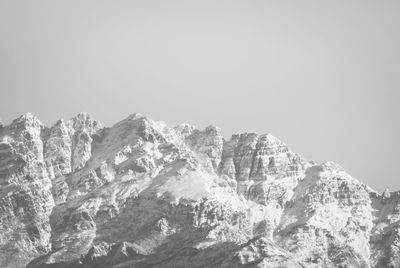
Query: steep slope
142, 194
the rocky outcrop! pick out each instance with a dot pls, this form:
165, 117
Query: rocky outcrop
25, 193
142, 194
208, 143
250, 158
68, 145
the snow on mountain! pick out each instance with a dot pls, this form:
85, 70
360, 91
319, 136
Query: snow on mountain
143, 194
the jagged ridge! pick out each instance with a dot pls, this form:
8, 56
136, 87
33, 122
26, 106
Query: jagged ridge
142, 194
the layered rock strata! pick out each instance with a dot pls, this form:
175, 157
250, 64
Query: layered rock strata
142, 194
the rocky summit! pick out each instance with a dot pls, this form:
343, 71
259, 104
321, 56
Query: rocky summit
143, 194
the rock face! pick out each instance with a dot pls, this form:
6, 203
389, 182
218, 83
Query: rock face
142, 194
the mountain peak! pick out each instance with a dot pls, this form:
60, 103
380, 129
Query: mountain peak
136, 116
27, 119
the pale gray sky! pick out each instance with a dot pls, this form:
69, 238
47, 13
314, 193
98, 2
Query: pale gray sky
323, 76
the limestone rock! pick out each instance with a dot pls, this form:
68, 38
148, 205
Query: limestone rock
208, 143
25, 193
143, 194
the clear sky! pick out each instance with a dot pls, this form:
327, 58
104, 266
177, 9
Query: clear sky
323, 76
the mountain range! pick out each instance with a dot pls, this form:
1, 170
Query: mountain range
143, 194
